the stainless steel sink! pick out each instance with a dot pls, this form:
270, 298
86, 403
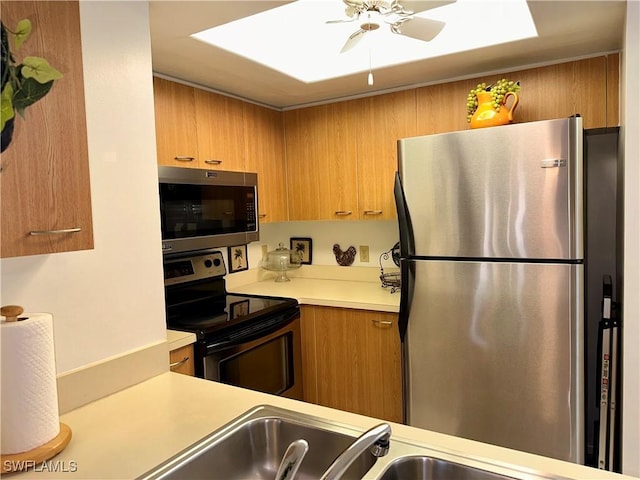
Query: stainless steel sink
252, 446
422, 467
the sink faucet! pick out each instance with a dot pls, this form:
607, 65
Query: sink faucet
292, 459
376, 440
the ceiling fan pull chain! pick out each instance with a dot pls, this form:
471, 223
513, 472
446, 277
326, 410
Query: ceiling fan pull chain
370, 77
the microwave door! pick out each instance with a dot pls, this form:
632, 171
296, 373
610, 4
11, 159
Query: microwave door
200, 212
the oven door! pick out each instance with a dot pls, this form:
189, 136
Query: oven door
265, 356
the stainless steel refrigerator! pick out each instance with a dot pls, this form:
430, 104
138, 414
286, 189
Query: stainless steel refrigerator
492, 299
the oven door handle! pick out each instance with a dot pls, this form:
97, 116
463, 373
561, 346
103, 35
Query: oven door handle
252, 332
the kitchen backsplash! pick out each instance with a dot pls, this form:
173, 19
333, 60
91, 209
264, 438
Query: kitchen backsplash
379, 236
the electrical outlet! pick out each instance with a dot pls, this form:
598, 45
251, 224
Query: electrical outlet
364, 253
265, 250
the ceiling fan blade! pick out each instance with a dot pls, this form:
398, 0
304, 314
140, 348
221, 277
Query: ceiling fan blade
353, 40
342, 20
417, 6
423, 29
353, 3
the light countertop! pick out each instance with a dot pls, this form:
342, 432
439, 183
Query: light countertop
311, 285
346, 287
130, 432
177, 339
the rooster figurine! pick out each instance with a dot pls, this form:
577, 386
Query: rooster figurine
345, 258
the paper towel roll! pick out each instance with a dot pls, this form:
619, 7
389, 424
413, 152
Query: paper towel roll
29, 403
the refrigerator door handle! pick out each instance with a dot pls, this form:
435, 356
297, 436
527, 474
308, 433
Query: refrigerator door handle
407, 273
404, 220
407, 267
553, 163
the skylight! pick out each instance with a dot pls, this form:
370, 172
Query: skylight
295, 39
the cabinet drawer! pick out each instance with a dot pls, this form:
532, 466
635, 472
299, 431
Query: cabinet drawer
181, 360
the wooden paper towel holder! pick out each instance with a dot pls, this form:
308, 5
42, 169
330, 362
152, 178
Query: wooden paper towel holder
11, 312
15, 462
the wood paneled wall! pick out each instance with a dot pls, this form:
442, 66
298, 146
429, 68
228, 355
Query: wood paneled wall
588, 87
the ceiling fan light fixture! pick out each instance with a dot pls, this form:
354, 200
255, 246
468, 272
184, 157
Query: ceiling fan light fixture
372, 20
373, 13
303, 39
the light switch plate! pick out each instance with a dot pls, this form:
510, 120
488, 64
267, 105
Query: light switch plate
364, 253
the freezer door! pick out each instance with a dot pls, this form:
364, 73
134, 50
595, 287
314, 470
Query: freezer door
494, 352
513, 191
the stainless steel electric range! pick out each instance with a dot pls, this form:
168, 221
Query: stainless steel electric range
243, 340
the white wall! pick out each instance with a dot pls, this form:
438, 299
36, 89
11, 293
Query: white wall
379, 236
108, 300
630, 117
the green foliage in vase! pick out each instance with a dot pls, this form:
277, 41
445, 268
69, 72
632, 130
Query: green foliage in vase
497, 90
24, 82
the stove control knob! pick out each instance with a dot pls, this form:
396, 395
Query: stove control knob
208, 262
216, 262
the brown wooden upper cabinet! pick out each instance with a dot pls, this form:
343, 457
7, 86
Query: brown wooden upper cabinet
331, 178
381, 122
337, 161
220, 128
321, 162
264, 154
45, 191
176, 135
201, 129
196, 128
342, 157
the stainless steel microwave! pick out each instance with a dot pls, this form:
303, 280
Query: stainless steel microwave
201, 209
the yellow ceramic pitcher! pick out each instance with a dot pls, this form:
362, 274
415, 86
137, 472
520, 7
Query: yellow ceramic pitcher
487, 116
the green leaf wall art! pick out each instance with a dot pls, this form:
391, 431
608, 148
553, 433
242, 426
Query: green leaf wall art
23, 83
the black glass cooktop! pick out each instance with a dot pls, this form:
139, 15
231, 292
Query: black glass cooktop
207, 317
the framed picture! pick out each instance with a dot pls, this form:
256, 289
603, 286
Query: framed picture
239, 309
238, 260
303, 246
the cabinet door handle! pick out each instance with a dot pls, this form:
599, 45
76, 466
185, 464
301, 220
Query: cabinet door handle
213, 162
179, 363
262, 215
184, 159
373, 212
385, 323
55, 232
343, 212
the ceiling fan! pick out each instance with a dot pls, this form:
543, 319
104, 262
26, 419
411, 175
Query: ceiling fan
399, 16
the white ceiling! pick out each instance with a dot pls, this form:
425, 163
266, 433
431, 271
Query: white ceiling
566, 29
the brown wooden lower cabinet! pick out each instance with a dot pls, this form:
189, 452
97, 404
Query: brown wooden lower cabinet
351, 361
181, 360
